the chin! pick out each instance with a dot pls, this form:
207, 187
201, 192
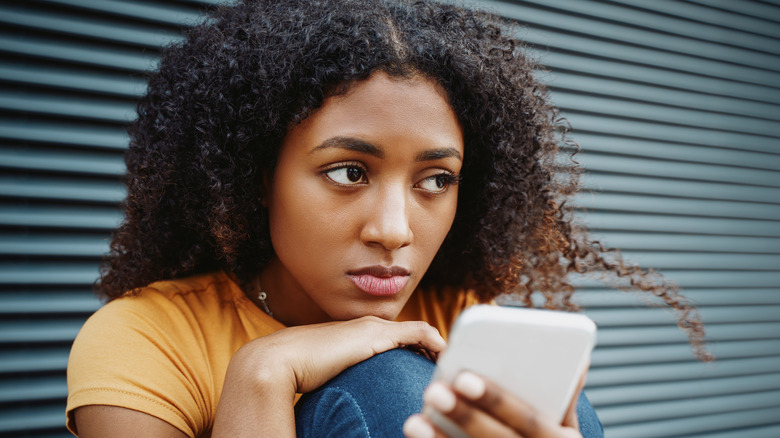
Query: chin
389, 311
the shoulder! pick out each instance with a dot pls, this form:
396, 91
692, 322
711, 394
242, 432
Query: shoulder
170, 303
163, 350
178, 314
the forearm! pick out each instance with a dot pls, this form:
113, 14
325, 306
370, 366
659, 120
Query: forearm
257, 400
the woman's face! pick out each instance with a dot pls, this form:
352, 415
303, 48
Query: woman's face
362, 197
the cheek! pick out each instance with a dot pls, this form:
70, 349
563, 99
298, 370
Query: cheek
435, 224
303, 220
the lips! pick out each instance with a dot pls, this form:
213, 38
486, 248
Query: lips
380, 280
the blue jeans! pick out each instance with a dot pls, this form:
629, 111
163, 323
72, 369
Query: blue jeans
376, 396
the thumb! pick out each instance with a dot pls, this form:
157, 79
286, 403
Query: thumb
570, 419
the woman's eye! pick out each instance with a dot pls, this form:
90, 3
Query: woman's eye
347, 176
437, 183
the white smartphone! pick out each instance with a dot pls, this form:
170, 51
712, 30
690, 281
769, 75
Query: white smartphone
538, 355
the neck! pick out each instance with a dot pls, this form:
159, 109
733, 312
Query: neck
286, 299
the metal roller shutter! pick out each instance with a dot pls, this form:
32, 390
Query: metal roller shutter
675, 104
70, 72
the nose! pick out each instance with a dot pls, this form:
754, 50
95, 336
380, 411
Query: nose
387, 223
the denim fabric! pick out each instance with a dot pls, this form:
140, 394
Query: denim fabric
376, 396
370, 399
590, 426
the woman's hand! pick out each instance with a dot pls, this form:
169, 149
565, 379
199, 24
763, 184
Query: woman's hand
482, 408
310, 355
265, 374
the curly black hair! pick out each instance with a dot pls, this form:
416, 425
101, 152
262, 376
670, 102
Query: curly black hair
210, 127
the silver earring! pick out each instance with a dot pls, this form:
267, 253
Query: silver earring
262, 296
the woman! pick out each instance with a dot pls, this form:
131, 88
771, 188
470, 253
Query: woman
315, 189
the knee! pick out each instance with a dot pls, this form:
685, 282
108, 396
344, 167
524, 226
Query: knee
399, 372
398, 365
590, 426
358, 398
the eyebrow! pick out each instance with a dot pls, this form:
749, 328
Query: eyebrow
438, 154
352, 144
357, 145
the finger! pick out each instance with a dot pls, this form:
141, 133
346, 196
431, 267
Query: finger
369, 336
417, 426
422, 335
505, 407
570, 419
470, 419
422, 351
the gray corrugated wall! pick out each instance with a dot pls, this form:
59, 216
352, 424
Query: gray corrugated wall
675, 104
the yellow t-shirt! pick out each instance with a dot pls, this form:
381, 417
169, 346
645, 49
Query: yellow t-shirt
166, 350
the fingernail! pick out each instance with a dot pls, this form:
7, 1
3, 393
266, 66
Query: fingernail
416, 427
439, 397
470, 385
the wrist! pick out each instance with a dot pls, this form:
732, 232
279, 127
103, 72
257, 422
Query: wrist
261, 368
257, 397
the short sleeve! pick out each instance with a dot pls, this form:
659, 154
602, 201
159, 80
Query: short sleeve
127, 355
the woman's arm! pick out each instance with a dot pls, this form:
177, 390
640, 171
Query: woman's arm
264, 375
98, 421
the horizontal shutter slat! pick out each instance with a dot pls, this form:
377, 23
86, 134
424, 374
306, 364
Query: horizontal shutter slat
76, 162
48, 273
662, 316
635, 374
720, 18
26, 390
656, 113
60, 133
638, 203
590, 123
74, 217
707, 279
169, 14
84, 27
687, 242
720, 296
657, 354
70, 78
683, 390
101, 110
638, 45
607, 220
685, 408
62, 190
71, 246
627, 183
78, 53
598, 163
570, 62
665, 152
30, 332
668, 261
751, 8
81, 302
96, 218
662, 95
28, 418
634, 54
750, 431
715, 422
40, 360
694, 26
